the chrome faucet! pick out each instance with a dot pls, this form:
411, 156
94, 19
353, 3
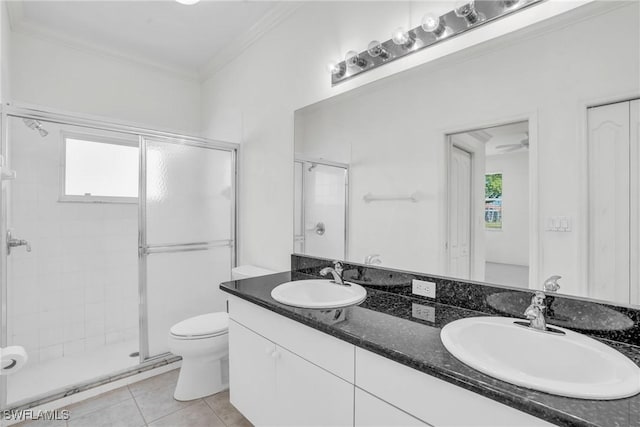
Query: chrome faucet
535, 312
372, 259
551, 284
336, 271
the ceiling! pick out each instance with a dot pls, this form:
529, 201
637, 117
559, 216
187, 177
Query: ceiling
499, 140
192, 40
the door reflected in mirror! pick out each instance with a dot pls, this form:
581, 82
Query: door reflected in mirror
489, 204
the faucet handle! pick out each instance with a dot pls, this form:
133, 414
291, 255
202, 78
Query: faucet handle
338, 267
551, 284
537, 300
372, 259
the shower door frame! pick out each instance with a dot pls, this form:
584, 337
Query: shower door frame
322, 162
99, 123
144, 249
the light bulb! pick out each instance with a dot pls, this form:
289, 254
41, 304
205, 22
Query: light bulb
353, 59
188, 2
402, 38
467, 9
511, 4
336, 69
376, 49
432, 23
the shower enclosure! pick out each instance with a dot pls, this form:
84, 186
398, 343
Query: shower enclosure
110, 234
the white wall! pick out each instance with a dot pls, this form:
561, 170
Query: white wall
252, 101
59, 76
510, 245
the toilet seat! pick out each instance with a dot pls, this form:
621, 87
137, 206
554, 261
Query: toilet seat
203, 326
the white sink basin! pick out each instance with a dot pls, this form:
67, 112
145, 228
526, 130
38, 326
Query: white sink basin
318, 293
571, 365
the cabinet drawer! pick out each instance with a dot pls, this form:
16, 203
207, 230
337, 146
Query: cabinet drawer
434, 401
329, 353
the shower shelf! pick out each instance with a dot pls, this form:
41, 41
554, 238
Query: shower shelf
372, 198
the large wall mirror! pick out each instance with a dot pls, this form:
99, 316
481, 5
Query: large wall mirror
507, 163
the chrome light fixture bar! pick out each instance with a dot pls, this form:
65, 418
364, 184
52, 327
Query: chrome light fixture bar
467, 15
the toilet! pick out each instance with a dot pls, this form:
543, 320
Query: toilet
203, 343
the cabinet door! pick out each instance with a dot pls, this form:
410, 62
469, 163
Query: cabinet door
372, 412
435, 401
308, 395
252, 375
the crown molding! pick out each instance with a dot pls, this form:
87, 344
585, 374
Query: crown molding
280, 12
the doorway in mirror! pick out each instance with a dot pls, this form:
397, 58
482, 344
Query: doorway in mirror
489, 204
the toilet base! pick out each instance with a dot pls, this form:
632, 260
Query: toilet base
200, 377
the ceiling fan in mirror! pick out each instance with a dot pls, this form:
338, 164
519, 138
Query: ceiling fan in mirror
522, 145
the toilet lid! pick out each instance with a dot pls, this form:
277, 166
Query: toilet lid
205, 324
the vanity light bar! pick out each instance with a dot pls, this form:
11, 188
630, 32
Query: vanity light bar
467, 16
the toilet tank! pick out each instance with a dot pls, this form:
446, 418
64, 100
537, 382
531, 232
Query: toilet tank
247, 271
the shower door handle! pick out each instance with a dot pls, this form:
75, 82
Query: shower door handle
14, 243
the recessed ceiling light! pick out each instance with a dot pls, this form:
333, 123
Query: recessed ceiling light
188, 2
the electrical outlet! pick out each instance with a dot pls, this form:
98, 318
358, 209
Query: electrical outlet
423, 288
423, 312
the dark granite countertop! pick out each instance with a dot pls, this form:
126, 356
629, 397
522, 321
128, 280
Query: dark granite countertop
407, 330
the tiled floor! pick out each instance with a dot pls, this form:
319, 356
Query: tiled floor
150, 403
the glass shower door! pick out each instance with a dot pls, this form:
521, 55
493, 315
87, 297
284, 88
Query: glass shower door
187, 236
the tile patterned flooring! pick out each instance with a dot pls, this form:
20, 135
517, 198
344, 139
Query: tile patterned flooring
150, 403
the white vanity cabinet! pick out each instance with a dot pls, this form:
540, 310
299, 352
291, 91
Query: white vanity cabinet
287, 374
432, 400
284, 382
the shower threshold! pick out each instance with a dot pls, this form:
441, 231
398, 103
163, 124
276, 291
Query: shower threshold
46, 377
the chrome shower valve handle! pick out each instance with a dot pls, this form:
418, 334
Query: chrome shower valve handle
14, 243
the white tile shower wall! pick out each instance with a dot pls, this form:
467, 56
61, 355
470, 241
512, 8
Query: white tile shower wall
325, 202
77, 290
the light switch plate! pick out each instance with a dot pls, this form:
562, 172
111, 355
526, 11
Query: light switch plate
423, 288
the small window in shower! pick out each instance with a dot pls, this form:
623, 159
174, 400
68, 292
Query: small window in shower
97, 169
